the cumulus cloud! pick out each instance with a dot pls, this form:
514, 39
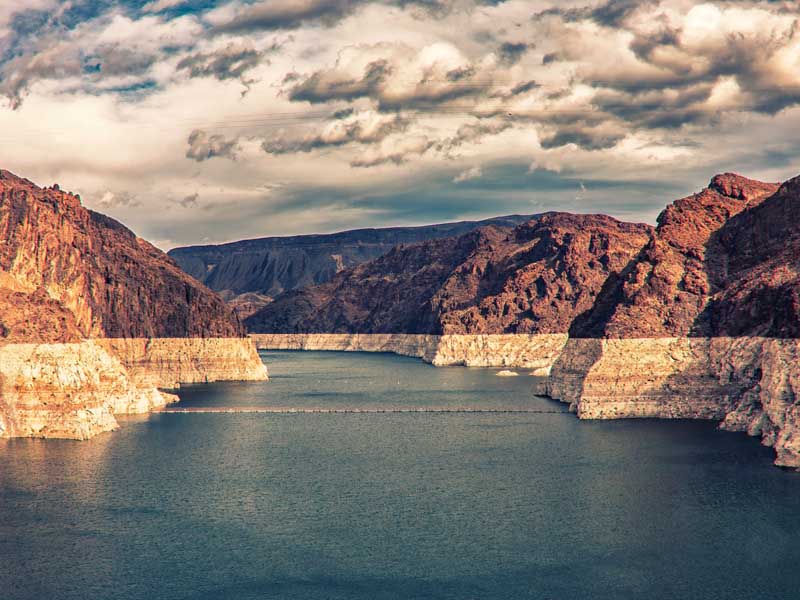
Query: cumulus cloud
203, 146
396, 75
373, 96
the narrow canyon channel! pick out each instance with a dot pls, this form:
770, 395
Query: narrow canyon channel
375, 476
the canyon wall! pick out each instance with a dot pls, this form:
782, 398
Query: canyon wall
703, 323
529, 351
168, 362
67, 390
697, 318
749, 384
95, 320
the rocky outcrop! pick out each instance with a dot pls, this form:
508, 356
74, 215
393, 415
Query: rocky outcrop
749, 384
535, 278
664, 290
250, 273
113, 283
531, 351
69, 280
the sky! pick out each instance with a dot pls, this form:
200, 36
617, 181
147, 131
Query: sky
205, 121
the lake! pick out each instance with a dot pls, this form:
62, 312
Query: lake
455, 505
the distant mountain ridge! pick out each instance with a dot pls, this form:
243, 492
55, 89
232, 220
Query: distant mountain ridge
249, 273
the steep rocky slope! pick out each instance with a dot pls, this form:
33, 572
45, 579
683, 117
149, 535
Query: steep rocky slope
113, 283
90, 315
534, 278
250, 273
664, 290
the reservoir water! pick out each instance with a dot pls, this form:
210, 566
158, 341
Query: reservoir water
407, 505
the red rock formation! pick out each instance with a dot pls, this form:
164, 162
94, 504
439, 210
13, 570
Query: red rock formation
67, 272
665, 289
532, 279
755, 266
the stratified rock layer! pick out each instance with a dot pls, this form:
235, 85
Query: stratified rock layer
67, 390
168, 362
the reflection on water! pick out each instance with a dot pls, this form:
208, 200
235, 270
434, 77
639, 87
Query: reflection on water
372, 506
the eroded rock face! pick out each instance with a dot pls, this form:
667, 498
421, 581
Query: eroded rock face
113, 283
535, 278
69, 279
698, 318
666, 287
67, 390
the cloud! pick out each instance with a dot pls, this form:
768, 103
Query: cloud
366, 127
394, 151
390, 101
230, 62
161, 5
110, 199
471, 173
510, 53
189, 201
238, 17
203, 146
107, 53
396, 76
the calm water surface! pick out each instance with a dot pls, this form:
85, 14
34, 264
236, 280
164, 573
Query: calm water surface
394, 506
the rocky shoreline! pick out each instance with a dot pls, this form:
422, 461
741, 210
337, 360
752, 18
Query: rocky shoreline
747, 384
528, 351
73, 390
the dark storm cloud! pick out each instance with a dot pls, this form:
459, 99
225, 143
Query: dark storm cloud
203, 146
231, 62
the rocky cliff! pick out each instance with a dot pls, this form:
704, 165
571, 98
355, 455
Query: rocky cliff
93, 319
704, 321
250, 273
